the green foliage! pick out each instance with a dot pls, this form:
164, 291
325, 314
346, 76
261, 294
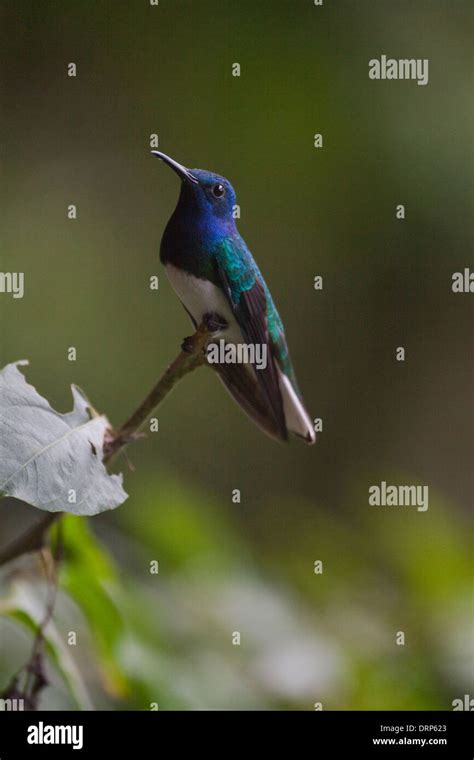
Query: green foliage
88, 574
165, 638
24, 603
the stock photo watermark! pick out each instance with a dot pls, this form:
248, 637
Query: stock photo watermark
12, 705
47, 734
12, 283
384, 495
238, 353
416, 69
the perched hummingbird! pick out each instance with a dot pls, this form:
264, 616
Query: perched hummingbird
213, 273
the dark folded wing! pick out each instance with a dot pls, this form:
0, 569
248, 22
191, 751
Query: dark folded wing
249, 307
245, 390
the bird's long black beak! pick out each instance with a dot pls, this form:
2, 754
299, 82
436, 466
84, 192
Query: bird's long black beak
180, 170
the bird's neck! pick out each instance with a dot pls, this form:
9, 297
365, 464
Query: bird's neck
192, 236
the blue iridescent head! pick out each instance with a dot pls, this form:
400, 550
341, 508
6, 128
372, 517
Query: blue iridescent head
203, 192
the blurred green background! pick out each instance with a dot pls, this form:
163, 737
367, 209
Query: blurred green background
248, 567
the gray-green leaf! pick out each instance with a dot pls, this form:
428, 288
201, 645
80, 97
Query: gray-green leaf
51, 460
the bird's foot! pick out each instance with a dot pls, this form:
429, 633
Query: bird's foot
188, 344
215, 322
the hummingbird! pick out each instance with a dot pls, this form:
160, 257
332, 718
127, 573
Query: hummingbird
214, 274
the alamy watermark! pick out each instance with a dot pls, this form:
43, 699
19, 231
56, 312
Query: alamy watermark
13, 283
400, 68
463, 282
12, 705
384, 495
464, 703
238, 353
42, 733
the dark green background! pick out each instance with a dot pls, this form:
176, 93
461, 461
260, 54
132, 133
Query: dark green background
305, 212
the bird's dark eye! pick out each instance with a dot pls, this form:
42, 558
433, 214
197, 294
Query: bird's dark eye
218, 191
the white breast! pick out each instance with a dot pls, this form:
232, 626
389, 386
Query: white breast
201, 297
